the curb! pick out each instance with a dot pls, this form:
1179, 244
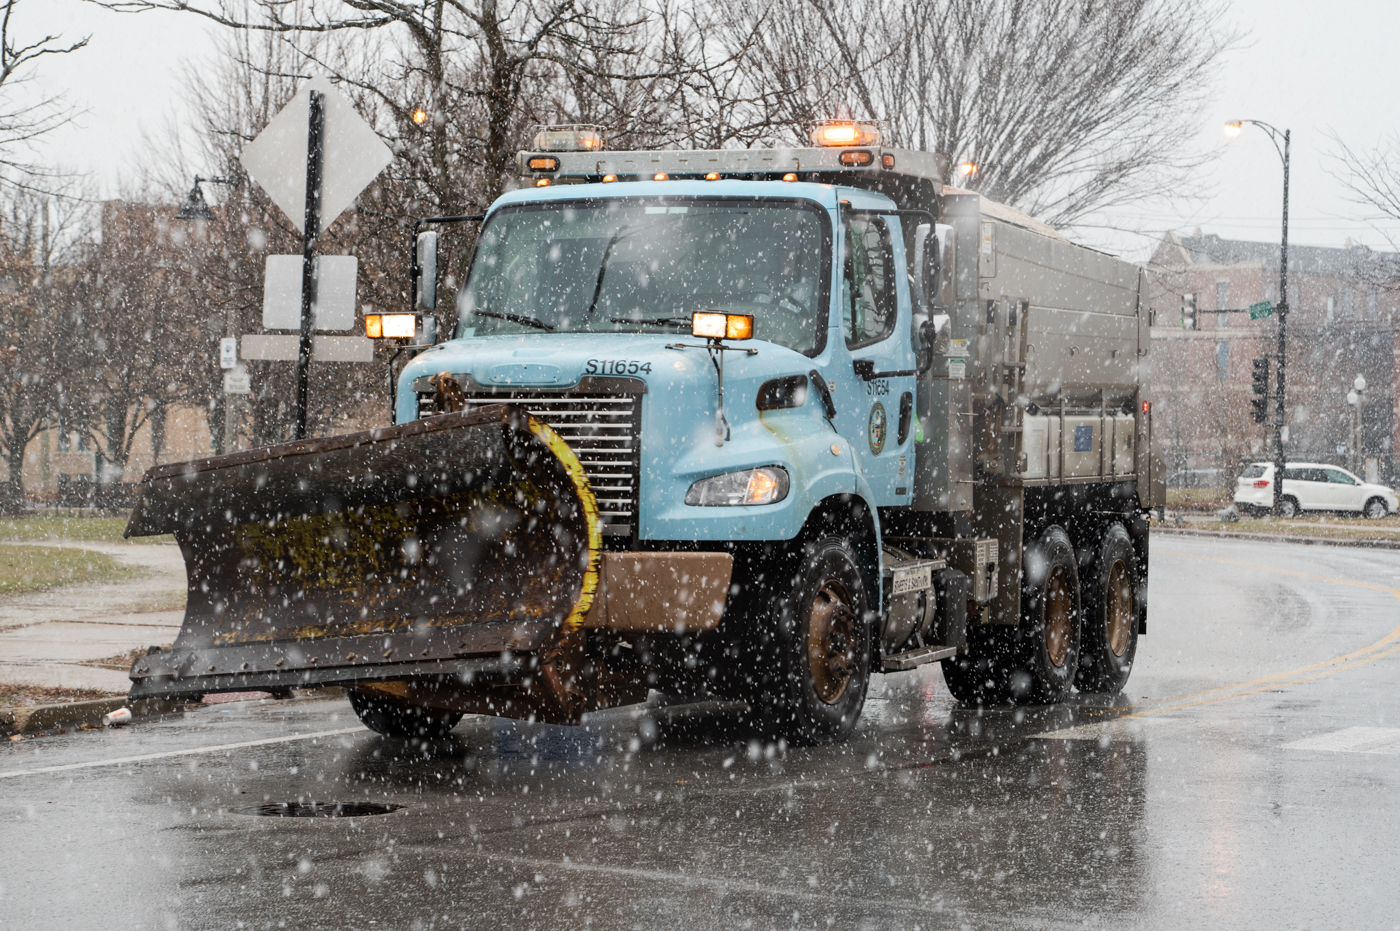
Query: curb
1283, 538
77, 713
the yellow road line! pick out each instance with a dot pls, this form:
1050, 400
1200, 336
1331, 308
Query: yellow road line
1336, 664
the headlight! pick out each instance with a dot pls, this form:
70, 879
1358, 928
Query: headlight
764, 485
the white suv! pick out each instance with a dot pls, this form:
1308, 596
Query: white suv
1312, 486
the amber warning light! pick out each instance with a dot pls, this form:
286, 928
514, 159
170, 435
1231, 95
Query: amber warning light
845, 132
391, 326
714, 325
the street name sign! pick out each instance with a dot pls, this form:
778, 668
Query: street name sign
1261, 309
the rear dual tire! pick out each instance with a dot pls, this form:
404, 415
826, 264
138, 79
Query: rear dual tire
1077, 630
1034, 663
1110, 616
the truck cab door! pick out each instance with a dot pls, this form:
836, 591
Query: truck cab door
874, 387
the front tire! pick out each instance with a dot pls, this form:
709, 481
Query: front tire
404, 722
818, 629
1110, 624
1375, 509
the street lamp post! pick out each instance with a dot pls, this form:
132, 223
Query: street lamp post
1357, 399
196, 208
1232, 129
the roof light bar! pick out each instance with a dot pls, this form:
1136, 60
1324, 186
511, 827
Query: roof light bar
575, 137
845, 132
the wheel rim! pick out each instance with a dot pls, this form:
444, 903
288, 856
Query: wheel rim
1059, 616
831, 641
1120, 609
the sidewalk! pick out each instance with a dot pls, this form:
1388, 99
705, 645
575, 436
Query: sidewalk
48, 637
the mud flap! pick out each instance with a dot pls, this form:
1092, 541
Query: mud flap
458, 550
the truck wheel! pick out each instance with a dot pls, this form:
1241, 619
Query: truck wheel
1050, 622
406, 722
1375, 509
1288, 508
820, 647
1110, 616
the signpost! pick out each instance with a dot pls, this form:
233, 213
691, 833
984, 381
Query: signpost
313, 159
1261, 310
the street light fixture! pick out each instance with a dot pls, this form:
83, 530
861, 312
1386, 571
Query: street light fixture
195, 207
1357, 398
1280, 139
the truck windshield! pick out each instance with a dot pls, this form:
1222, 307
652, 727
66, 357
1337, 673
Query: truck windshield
634, 266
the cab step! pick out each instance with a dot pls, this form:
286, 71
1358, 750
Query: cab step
917, 657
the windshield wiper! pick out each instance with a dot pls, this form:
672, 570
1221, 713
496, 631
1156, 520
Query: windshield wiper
516, 318
603, 266
654, 321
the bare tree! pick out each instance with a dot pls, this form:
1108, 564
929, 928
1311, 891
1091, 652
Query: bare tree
1373, 178
1065, 107
44, 243
24, 118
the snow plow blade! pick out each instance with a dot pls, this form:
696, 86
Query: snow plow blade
457, 548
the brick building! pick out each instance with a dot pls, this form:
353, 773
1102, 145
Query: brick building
1343, 309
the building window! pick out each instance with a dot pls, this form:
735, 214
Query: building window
1371, 305
1348, 302
1331, 307
1222, 295
1222, 361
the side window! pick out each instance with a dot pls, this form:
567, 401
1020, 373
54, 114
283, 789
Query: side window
867, 283
1338, 477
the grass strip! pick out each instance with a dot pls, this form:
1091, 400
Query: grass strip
70, 528
35, 568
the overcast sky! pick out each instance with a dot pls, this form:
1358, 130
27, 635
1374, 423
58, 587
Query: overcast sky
1308, 66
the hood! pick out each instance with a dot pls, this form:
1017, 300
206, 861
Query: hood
558, 361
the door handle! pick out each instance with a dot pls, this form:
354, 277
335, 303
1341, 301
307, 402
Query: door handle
865, 369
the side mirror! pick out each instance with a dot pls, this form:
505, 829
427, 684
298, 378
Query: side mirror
932, 269
425, 269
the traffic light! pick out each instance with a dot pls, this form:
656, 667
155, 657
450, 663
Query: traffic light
1188, 311
1260, 387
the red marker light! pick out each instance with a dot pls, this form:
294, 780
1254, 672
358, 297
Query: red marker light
1263, 483
1147, 407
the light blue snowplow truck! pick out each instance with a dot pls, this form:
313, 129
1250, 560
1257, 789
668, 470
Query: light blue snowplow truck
751, 425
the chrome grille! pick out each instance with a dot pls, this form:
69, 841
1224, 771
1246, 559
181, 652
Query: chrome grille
601, 429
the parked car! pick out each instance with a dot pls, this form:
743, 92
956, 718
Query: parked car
1311, 486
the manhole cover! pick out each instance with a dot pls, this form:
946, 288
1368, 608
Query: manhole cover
319, 809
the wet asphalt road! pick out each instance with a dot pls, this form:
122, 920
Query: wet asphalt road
1249, 779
